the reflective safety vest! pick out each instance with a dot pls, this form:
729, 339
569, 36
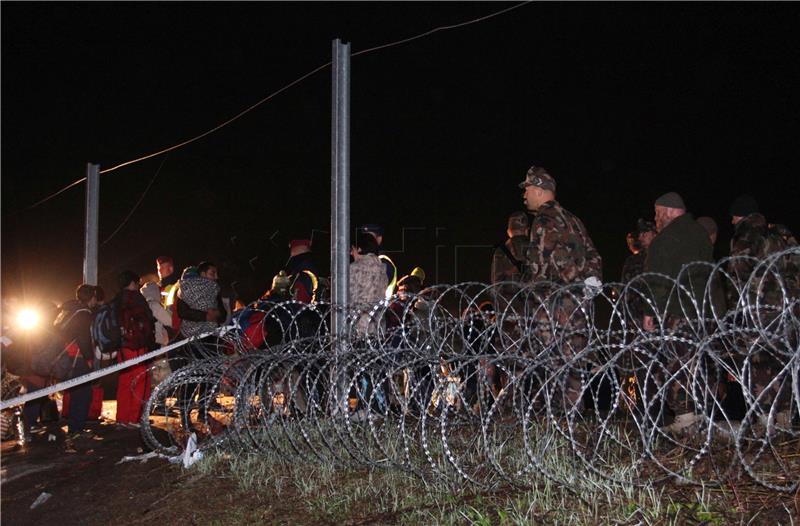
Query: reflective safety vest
392, 275
314, 284
169, 294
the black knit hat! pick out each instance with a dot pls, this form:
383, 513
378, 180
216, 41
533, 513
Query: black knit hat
671, 200
744, 205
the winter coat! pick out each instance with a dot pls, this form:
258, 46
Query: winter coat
152, 294
681, 242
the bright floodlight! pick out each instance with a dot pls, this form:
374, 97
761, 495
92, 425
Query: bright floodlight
27, 319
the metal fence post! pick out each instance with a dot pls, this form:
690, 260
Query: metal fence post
92, 224
340, 185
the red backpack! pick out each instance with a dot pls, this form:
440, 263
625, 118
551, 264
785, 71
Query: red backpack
136, 324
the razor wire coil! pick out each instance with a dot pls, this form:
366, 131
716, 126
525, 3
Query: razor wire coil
487, 384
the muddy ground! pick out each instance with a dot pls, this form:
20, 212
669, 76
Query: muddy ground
88, 487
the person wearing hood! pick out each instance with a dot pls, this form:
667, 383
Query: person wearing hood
137, 327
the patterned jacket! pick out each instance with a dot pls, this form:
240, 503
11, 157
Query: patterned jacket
368, 280
755, 238
368, 284
560, 249
200, 294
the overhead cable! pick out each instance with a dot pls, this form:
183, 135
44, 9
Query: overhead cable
275, 93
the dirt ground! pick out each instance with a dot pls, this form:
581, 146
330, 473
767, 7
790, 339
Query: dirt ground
88, 487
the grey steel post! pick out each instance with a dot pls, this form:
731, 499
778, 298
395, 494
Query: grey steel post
340, 185
92, 224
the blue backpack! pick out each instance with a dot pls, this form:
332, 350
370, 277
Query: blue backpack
106, 332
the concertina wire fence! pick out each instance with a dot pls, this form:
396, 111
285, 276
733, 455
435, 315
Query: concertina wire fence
481, 384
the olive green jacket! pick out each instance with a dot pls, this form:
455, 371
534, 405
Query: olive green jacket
681, 242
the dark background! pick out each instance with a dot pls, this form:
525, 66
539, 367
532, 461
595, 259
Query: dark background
621, 102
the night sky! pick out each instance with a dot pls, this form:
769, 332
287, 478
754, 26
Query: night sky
621, 102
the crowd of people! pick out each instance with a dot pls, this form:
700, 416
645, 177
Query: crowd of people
546, 243
90, 332
94, 331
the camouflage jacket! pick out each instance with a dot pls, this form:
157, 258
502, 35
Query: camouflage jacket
634, 265
503, 269
560, 249
755, 238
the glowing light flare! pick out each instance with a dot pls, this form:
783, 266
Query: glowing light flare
27, 319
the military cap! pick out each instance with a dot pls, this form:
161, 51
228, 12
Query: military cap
538, 176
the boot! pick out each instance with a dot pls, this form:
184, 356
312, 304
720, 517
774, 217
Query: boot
685, 424
781, 421
727, 432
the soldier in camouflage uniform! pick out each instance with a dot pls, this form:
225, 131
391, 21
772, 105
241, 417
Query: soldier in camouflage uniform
560, 249
559, 252
755, 238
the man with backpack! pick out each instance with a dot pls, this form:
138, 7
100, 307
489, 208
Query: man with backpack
136, 338
73, 333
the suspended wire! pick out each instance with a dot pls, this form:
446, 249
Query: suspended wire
188, 141
141, 198
440, 28
49, 197
278, 92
